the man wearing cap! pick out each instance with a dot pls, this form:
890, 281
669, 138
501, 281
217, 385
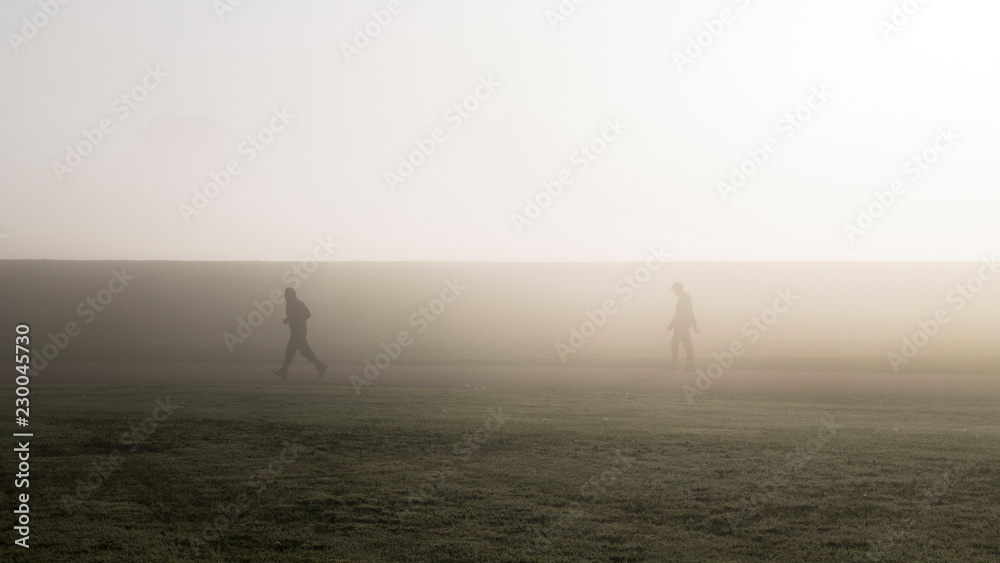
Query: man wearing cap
297, 314
682, 324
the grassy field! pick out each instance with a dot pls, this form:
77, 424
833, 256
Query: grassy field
271, 473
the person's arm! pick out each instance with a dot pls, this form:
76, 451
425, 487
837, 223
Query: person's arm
305, 312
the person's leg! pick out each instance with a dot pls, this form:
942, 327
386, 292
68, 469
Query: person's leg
289, 355
290, 350
688, 349
674, 343
307, 352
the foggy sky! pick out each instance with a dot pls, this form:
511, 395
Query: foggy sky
350, 115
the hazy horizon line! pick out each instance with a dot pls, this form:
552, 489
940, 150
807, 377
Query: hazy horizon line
837, 261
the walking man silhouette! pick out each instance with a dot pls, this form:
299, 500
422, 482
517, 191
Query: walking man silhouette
296, 314
682, 324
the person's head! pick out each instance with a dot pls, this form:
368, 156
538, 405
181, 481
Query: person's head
678, 288
289, 294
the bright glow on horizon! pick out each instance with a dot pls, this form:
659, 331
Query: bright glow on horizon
344, 125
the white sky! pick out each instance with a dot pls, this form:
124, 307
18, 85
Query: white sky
324, 174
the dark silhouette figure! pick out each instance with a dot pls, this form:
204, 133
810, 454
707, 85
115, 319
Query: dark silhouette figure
682, 324
296, 314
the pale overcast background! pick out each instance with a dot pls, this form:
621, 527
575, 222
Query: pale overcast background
223, 73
